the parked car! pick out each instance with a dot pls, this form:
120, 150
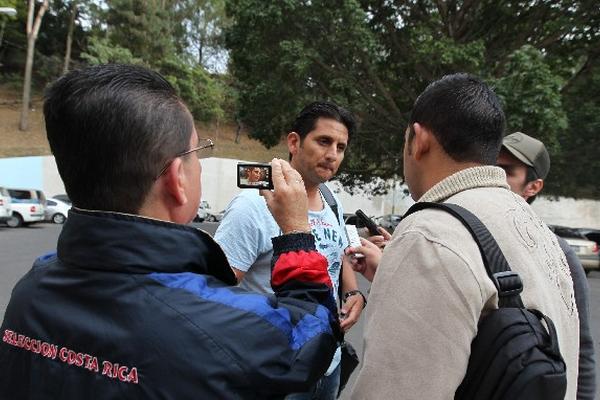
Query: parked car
5, 205
202, 213
57, 210
63, 197
586, 250
215, 217
28, 207
389, 221
590, 234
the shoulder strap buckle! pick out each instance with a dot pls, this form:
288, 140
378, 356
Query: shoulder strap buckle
508, 283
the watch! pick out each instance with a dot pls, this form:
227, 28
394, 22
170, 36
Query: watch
354, 293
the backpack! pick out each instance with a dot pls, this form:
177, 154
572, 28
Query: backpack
513, 356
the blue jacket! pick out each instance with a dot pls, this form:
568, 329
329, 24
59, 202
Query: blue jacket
142, 309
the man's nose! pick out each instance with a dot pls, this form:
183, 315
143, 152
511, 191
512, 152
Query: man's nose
331, 154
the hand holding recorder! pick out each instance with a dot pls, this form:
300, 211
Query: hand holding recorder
377, 235
367, 264
287, 202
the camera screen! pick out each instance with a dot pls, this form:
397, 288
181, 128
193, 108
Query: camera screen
254, 176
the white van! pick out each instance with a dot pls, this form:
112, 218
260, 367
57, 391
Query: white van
28, 207
5, 205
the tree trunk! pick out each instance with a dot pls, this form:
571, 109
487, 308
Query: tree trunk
238, 132
32, 31
70, 37
2, 31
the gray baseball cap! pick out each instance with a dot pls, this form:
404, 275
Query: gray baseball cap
530, 151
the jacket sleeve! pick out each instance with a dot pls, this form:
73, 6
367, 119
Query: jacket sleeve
286, 342
424, 309
586, 380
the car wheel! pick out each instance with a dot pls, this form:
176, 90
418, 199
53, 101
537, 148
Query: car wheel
58, 218
211, 218
15, 221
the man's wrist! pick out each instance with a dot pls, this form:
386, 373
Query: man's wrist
355, 292
294, 231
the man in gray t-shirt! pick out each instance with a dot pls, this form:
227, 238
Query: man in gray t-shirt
317, 143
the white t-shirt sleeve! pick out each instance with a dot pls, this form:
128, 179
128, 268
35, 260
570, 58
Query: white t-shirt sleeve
241, 234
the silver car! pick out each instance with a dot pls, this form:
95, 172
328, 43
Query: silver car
57, 210
586, 250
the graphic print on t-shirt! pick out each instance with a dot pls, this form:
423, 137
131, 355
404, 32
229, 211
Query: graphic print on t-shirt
330, 243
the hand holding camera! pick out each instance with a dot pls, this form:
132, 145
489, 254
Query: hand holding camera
254, 176
287, 202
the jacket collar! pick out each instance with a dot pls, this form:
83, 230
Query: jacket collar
117, 242
469, 178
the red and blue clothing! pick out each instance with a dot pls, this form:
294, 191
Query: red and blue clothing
131, 307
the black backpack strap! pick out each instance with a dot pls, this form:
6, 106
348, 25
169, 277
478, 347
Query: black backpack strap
507, 282
330, 200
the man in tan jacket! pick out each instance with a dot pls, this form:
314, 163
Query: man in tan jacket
431, 289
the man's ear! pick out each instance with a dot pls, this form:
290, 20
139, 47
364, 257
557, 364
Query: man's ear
175, 182
293, 141
532, 188
421, 143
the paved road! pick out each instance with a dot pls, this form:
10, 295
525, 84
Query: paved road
19, 247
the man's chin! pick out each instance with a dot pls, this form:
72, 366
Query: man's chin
325, 177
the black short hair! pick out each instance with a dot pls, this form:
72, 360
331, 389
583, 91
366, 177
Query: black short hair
465, 115
305, 121
112, 128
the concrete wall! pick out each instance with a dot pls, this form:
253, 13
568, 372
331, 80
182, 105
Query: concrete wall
219, 187
568, 212
22, 172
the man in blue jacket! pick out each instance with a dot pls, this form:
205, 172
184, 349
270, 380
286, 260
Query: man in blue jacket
136, 305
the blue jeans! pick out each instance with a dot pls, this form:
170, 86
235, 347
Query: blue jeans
326, 388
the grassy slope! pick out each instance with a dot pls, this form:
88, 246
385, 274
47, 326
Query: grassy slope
14, 143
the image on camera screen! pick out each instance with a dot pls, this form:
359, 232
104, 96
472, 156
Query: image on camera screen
254, 176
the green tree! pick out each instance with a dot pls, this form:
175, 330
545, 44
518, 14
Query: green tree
154, 33
376, 56
575, 169
102, 51
204, 21
51, 44
10, 9
143, 27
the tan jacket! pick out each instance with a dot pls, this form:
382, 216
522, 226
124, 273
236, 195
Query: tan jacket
431, 289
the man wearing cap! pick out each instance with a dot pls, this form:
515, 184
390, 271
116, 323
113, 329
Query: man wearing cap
527, 163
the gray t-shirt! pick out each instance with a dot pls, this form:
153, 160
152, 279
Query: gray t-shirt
245, 235
586, 379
